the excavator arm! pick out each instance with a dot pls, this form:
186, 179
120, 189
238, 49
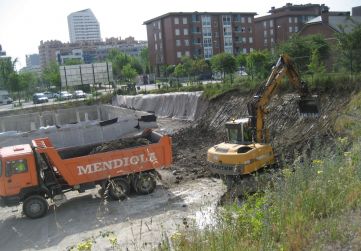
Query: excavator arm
257, 107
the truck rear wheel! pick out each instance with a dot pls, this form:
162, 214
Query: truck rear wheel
144, 183
118, 189
35, 206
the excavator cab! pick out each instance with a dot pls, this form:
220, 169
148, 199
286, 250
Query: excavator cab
239, 131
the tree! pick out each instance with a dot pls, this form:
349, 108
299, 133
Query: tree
7, 67
316, 66
51, 75
28, 82
224, 63
350, 48
73, 61
119, 60
14, 84
200, 67
144, 58
300, 48
258, 64
129, 73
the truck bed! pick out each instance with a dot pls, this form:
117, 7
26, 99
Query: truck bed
78, 168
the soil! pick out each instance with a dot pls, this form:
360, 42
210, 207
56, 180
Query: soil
187, 189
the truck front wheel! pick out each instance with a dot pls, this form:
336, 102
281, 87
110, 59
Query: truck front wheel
144, 183
118, 189
35, 206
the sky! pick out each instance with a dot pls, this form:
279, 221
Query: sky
24, 23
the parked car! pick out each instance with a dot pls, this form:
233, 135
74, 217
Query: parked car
49, 94
64, 95
79, 94
5, 98
39, 98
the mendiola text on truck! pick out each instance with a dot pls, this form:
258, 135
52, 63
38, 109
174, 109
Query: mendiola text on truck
34, 174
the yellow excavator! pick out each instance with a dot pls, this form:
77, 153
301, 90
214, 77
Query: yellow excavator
248, 147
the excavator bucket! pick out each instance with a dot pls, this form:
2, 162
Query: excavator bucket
309, 106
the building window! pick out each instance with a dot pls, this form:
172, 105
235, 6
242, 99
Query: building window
296, 20
155, 37
206, 20
265, 42
272, 41
185, 31
186, 42
178, 42
290, 20
179, 54
177, 32
176, 20
242, 20
265, 33
290, 29
250, 49
244, 40
156, 47
228, 50
271, 32
187, 54
296, 28
160, 35
207, 42
185, 21
249, 20
249, 29
227, 31
264, 24
158, 24
250, 39
244, 50
208, 53
228, 41
194, 18
243, 29
226, 20
271, 23
207, 32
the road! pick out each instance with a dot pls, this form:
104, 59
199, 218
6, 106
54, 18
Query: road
138, 223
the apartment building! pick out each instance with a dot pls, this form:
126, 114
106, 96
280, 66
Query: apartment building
87, 52
83, 26
283, 22
198, 34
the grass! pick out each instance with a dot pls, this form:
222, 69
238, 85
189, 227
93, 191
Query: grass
312, 206
301, 211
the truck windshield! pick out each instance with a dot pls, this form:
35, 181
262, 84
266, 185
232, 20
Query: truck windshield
247, 134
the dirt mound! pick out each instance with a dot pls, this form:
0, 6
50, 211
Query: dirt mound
120, 144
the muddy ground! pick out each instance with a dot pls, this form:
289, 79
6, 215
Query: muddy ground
187, 193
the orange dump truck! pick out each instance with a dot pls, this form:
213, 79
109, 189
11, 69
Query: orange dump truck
32, 174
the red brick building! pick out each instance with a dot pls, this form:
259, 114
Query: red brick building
282, 23
198, 34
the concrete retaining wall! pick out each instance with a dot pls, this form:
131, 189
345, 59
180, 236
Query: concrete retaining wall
72, 127
178, 105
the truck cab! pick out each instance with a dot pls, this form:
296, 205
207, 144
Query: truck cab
18, 175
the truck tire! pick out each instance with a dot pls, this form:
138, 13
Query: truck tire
118, 188
144, 183
35, 206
